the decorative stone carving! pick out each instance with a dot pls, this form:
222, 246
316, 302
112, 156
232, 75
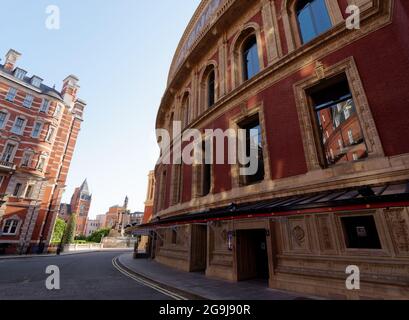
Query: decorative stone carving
298, 235
324, 233
399, 229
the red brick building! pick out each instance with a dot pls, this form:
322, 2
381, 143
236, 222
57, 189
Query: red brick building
81, 204
148, 213
331, 108
39, 127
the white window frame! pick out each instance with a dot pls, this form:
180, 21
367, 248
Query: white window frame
50, 134
42, 160
11, 94
8, 233
28, 101
28, 154
26, 196
39, 130
58, 111
36, 82
6, 119
13, 154
22, 127
20, 73
18, 195
46, 103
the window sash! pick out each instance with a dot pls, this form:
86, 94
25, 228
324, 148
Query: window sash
17, 190
37, 129
3, 117
50, 134
313, 20
18, 126
8, 152
45, 105
28, 101
26, 159
11, 94
10, 227
251, 62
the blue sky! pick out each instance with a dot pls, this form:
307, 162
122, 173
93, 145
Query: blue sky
121, 51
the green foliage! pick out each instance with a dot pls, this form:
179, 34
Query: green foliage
97, 236
69, 235
81, 238
80, 242
58, 231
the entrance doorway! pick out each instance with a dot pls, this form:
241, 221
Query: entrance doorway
252, 255
199, 248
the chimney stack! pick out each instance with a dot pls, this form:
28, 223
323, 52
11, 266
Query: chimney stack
70, 89
11, 58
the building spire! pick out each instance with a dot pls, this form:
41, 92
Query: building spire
126, 201
84, 187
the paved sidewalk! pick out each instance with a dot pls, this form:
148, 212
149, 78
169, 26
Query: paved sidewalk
198, 284
28, 256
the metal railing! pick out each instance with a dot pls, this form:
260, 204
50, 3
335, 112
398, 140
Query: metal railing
7, 165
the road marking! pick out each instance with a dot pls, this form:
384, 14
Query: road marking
146, 283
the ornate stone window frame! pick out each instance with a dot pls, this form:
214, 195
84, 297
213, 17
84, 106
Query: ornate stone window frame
203, 86
382, 233
271, 31
234, 124
6, 119
349, 68
291, 27
14, 217
362, 4
236, 57
162, 190
185, 108
197, 177
177, 184
13, 142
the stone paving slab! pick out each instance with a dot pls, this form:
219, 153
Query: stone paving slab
199, 284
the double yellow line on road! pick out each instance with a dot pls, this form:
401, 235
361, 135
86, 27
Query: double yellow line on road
146, 283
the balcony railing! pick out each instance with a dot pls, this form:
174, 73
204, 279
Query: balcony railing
7, 166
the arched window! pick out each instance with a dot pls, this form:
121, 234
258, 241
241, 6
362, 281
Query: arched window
211, 89
251, 64
313, 19
184, 116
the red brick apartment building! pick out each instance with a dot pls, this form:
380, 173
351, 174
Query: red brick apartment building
39, 127
331, 108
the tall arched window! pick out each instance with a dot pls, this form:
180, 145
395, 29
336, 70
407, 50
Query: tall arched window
313, 19
211, 89
251, 64
185, 111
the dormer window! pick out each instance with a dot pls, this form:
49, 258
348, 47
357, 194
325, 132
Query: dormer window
36, 81
20, 73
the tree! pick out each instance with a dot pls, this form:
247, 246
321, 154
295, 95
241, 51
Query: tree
97, 236
70, 231
58, 232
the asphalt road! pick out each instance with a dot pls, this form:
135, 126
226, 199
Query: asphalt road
88, 276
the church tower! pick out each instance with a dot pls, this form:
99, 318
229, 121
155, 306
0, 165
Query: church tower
81, 204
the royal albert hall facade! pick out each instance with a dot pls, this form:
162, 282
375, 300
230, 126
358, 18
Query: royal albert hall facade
331, 108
